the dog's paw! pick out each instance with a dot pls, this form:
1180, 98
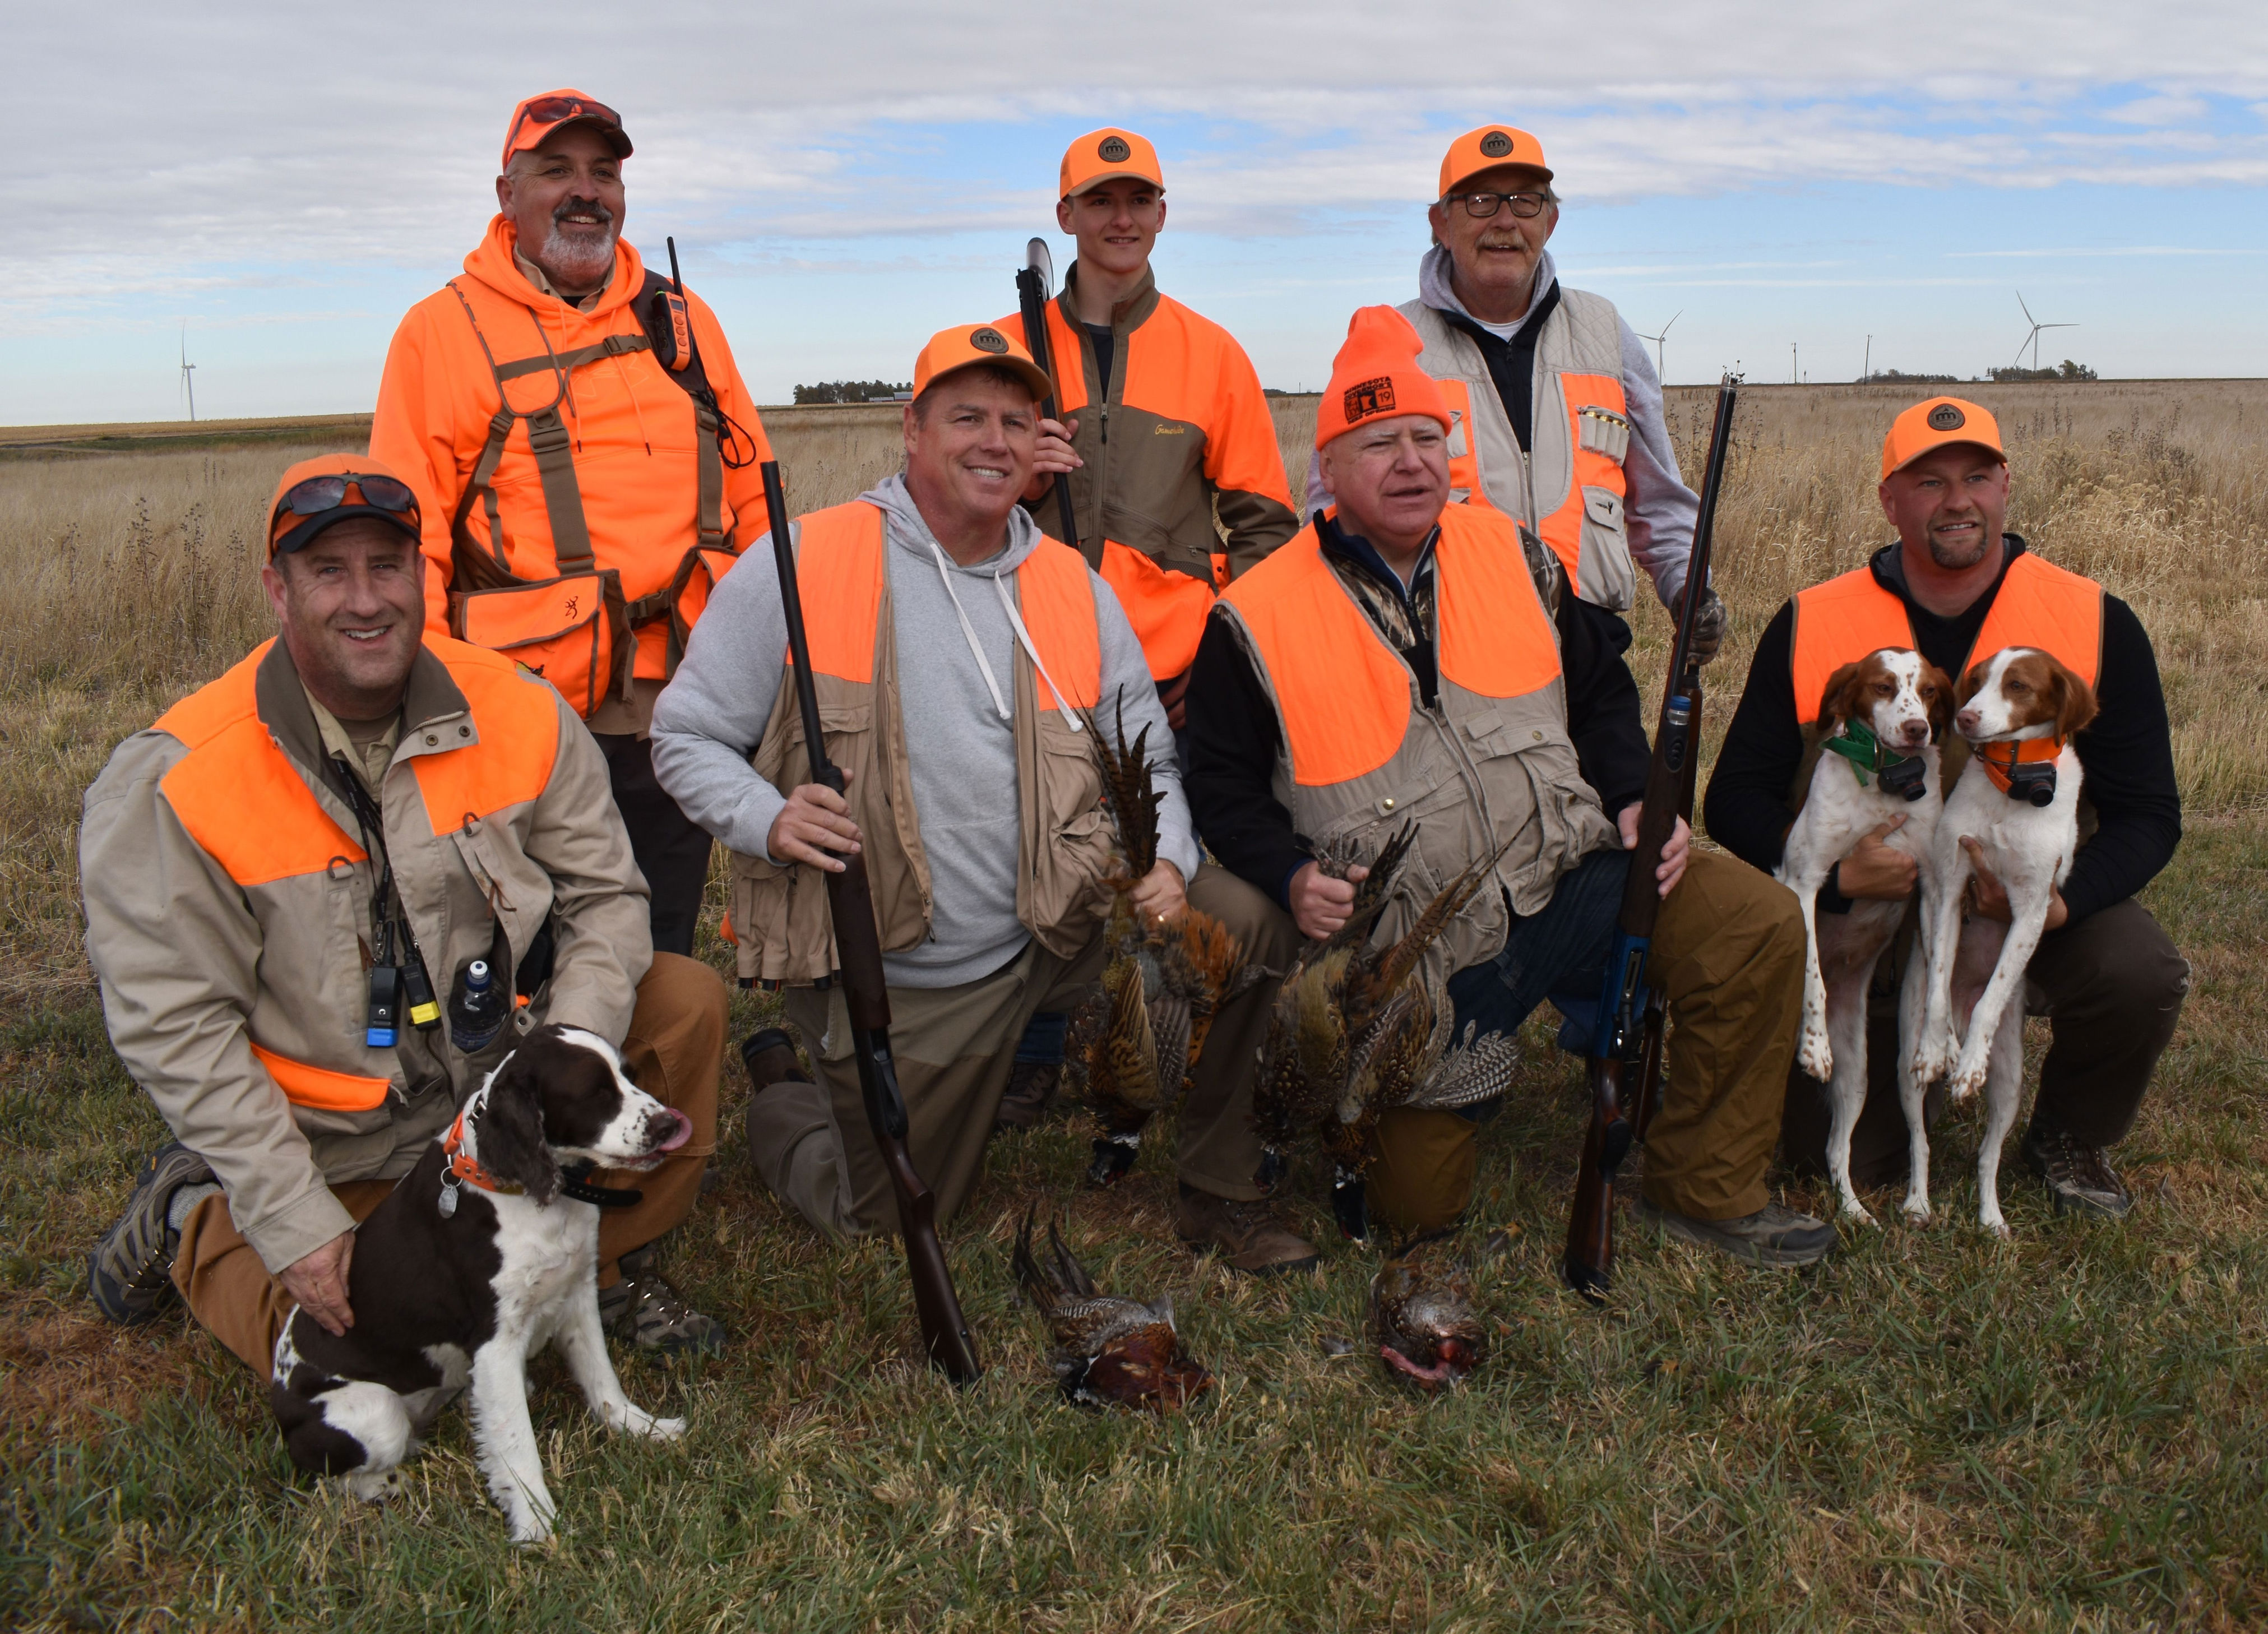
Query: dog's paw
535, 1529
370, 1486
1965, 1082
1814, 1055
1994, 1225
1855, 1212
1916, 1210
639, 1422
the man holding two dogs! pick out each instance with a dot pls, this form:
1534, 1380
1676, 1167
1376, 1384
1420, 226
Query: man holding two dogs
288, 876
1958, 587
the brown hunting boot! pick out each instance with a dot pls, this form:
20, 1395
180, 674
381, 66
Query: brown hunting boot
1031, 1090
1247, 1235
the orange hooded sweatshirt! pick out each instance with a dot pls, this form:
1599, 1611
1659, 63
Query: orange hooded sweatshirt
632, 426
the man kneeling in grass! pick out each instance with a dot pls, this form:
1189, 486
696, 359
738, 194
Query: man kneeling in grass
287, 876
953, 648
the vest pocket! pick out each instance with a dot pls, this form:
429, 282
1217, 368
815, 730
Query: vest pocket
1605, 575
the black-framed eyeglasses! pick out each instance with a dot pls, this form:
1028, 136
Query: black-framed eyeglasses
1481, 206
318, 494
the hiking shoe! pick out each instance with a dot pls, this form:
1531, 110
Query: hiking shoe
1773, 1235
2079, 1177
129, 1273
1247, 1235
652, 1315
1031, 1091
770, 1055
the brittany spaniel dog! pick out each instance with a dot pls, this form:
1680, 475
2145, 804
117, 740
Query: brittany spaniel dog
1879, 763
2018, 800
486, 1251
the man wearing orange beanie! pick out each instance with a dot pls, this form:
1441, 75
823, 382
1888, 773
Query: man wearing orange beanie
1396, 662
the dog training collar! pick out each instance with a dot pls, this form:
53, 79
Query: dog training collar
576, 1182
1858, 744
2026, 770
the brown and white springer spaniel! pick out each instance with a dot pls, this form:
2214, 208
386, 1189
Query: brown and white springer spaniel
481, 1256
2018, 799
1878, 764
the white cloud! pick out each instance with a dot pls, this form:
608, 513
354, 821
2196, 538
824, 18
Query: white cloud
2161, 111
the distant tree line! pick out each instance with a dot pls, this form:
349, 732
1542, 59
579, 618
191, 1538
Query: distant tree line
1899, 376
2064, 370
851, 392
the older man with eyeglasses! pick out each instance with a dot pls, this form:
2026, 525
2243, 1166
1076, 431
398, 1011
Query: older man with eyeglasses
1558, 410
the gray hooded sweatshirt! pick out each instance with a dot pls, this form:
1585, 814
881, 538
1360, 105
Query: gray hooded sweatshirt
962, 750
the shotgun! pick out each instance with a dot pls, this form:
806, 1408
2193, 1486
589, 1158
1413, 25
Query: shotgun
858, 949
1628, 1029
1032, 282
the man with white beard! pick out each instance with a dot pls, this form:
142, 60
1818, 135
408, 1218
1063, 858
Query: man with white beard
582, 530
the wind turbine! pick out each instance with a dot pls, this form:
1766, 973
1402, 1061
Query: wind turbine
188, 371
2033, 339
1658, 339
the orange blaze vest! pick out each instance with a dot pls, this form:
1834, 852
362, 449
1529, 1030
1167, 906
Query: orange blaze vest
779, 918
248, 806
2038, 605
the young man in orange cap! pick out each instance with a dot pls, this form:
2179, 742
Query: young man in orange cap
1958, 587
1164, 428
939, 613
278, 919
1557, 412
1397, 663
581, 533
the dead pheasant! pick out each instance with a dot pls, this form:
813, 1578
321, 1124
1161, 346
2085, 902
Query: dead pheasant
1164, 981
1109, 1352
1422, 1319
1357, 1030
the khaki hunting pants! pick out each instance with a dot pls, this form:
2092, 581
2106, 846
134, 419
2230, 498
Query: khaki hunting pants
674, 1050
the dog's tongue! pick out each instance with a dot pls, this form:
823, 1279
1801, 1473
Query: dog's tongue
684, 1131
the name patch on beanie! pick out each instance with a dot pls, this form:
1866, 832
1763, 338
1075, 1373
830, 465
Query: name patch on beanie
1366, 398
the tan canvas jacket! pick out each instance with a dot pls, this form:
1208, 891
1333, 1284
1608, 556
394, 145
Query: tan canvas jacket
228, 907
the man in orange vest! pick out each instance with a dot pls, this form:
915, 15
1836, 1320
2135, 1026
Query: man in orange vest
1164, 430
953, 648
1958, 587
1397, 663
289, 879
590, 458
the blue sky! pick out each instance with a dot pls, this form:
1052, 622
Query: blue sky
283, 180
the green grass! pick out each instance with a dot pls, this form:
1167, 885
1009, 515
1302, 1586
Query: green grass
1931, 1429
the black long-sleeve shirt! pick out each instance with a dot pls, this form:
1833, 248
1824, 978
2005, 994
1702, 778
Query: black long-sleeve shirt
2127, 752
1234, 740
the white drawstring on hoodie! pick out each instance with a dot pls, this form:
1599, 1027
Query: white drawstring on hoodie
976, 647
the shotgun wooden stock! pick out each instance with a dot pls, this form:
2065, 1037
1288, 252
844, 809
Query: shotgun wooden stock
1626, 1041
859, 955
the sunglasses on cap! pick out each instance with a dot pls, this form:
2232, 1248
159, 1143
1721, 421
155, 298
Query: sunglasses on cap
318, 494
556, 110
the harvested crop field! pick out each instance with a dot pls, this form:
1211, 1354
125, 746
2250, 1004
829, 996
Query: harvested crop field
1931, 1429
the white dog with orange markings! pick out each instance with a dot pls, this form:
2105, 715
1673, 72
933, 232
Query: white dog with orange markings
1877, 773
2014, 814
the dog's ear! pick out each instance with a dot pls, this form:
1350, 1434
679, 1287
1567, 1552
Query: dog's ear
510, 1132
1937, 694
1835, 700
2075, 704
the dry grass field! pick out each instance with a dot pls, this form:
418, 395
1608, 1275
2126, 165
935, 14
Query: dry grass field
1933, 1431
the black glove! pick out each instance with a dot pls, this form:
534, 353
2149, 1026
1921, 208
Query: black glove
1709, 622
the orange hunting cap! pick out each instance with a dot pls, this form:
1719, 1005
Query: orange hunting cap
1932, 424
969, 346
1376, 375
1485, 149
333, 487
534, 120
1106, 155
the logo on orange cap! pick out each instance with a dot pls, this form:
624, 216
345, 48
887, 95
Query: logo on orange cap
1102, 156
1935, 424
1376, 375
989, 340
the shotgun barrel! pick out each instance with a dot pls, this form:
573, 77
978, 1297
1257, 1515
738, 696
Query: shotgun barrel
1031, 280
858, 949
